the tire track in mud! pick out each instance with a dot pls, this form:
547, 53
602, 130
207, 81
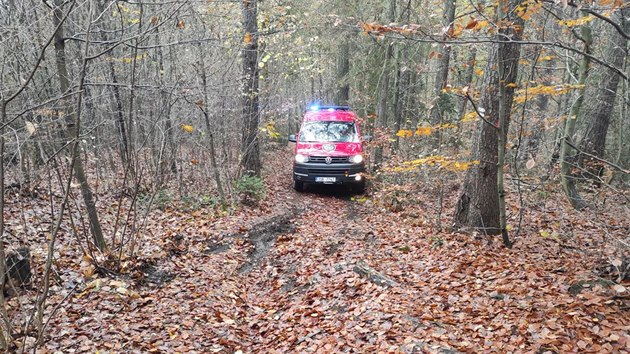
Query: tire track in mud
264, 234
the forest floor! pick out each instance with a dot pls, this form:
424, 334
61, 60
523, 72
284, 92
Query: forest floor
326, 271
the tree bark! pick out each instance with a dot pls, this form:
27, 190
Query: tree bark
381, 109
567, 152
250, 144
441, 77
209, 130
381, 113
599, 115
482, 203
542, 104
5, 326
73, 120
343, 69
467, 79
119, 119
508, 57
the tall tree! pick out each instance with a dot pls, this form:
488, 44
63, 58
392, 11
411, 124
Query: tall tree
567, 150
598, 116
343, 68
381, 109
481, 204
73, 120
251, 75
441, 76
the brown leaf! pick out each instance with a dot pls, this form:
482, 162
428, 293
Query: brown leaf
248, 38
472, 24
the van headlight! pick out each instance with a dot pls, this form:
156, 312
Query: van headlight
299, 158
356, 159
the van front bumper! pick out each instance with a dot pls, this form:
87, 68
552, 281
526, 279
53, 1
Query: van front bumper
321, 173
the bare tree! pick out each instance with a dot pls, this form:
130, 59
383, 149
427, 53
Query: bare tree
72, 125
251, 75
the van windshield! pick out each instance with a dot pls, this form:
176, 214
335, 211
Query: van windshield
329, 131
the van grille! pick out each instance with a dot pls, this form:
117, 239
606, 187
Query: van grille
322, 159
327, 171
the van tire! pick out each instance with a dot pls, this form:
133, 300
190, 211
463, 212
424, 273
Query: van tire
298, 186
359, 188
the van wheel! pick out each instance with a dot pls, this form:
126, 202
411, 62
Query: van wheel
298, 186
359, 188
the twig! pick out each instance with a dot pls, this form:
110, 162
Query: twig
611, 164
481, 115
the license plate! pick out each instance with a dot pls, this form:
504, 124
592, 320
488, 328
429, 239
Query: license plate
325, 179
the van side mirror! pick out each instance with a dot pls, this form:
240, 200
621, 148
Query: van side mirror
367, 138
292, 138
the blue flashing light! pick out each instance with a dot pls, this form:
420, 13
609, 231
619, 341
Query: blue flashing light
314, 107
331, 109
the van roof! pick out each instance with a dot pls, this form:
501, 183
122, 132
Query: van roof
330, 114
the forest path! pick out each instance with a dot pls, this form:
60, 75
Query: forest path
325, 271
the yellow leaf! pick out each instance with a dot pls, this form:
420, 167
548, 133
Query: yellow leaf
423, 131
470, 117
455, 31
480, 25
404, 133
511, 84
577, 22
187, 128
479, 71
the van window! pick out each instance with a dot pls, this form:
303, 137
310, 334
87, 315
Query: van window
329, 131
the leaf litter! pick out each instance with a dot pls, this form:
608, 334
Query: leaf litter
297, 274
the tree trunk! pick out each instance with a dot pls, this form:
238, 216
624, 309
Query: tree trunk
250, 145
73, 120
5, 326
402, 82
120, 119
599, 116
204, 108
478, 205
567, 152
381, 123
381, 109
542, 103
436, 115
467, 79
343, 69
508, 57
482, 203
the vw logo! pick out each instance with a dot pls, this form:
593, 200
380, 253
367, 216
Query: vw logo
328, 147
328, 160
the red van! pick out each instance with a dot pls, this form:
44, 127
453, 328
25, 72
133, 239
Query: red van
329, 149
